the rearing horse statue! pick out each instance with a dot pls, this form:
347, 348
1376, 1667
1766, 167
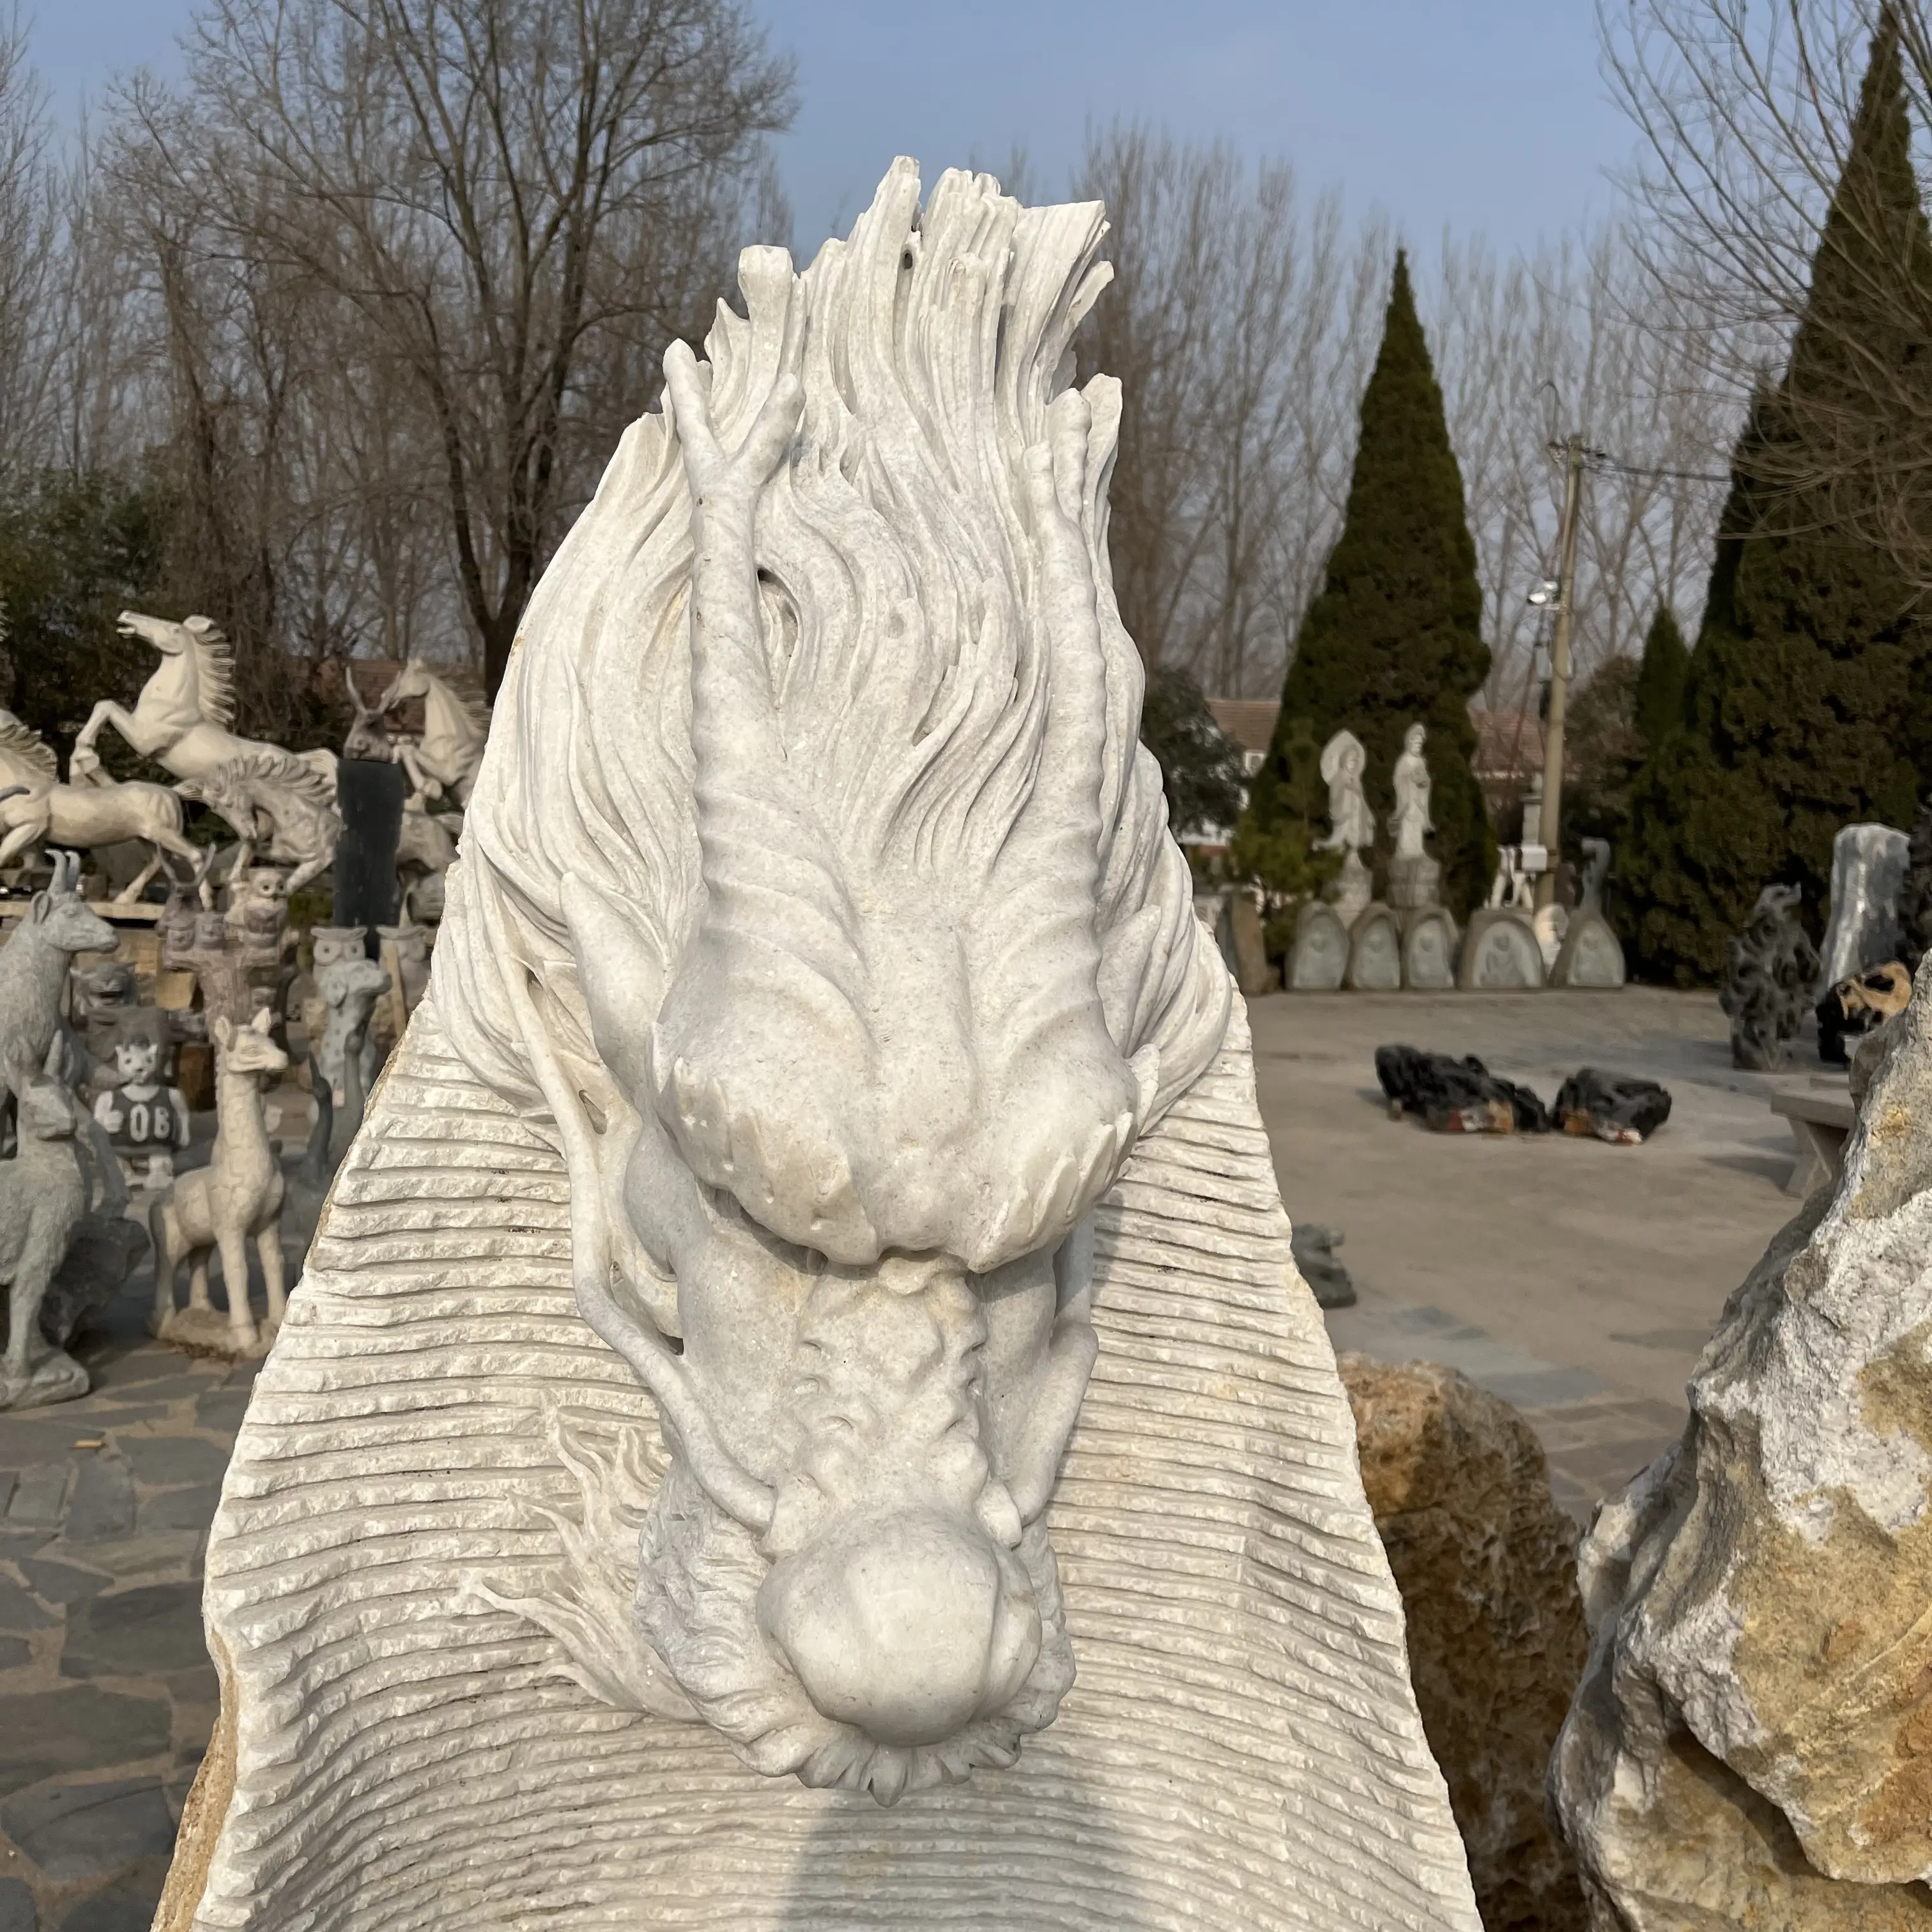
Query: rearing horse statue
183, 714
454, 729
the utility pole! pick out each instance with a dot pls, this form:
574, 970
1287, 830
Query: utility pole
1551, 833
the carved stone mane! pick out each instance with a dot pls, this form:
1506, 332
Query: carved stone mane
215, 668
24, 745
259, 772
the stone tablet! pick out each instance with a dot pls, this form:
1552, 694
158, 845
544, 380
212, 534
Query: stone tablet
1500, 952
1868, 872
1321, 955
653, 1510
1429, 950
1591, 955
1374, 952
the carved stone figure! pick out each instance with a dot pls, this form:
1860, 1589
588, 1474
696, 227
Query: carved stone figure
444, 760
1746, 1746
1500, 952
1772, 967
368, 736
1321, 955
146, 1121
34, 966
93, 809
822, 1063
43, 1196
347, 985
104, 1247
182, 716
1410, 821
1352, 824
1374, 952
285, 809
232, 1203
1868, 864
1428, 949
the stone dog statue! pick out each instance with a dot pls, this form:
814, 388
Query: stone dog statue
43, 1198
821, 1195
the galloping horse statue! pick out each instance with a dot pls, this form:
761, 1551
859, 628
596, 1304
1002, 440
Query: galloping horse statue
454, 729
183, 714
35, 809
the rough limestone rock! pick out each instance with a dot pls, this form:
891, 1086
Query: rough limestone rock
1486, 1564
1868, 869
1752, 1744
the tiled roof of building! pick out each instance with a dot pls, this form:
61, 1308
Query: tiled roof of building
1249, 722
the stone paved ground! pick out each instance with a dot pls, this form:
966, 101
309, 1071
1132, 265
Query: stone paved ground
1579, 1281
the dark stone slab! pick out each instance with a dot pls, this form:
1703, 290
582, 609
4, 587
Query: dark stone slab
14, 1651
61, 1582
103, 1507
180, 1509
75, 1831
18, 1610
16, 1907
169, 1462
369, 795
222, 1409
119, 1910
37, 1498
57, 1733
154, 1627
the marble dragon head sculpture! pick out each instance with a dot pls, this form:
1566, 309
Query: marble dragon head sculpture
818, 897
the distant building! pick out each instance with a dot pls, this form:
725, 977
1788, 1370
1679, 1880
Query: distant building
1249, 722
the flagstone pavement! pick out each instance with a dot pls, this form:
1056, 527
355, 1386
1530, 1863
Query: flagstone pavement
1576, 1280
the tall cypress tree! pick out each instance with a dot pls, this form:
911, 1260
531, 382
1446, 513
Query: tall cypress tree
1660, 679
1797, 711
1395, 636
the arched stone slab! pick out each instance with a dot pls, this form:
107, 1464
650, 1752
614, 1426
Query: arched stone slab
1591, 955
1374, 952
1500, 953
1321, 955
1429, 950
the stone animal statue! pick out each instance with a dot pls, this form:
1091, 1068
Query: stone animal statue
105, 1247
285, 808
444, 760
182, 716
93, 810
34, 966
1771, 968
42, 1198
333, 1129
347, 990
368, 736
234, 1202
822, 1066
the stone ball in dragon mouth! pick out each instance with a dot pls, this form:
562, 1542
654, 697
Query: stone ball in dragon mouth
907, 1624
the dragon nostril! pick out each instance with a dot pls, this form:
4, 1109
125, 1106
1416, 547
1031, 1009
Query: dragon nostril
907, 1626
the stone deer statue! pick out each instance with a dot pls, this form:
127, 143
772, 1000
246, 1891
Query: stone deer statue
42, 1198
235, 1199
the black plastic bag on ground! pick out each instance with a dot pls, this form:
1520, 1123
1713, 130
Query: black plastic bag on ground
1619, 1108
1457, 1096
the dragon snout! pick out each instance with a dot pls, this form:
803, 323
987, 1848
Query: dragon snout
907, 1625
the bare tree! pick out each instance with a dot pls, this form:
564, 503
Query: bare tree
501, 203
1748, 114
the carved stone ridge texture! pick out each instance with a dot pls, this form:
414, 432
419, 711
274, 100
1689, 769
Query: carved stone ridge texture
1241, 1747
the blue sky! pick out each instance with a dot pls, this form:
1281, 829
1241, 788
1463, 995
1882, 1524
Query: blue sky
1479, 115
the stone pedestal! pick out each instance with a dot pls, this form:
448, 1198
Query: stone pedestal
1591, 955
1413, 883
1499, 952
1374, 952
1320, 954
1429, 950
1352, 890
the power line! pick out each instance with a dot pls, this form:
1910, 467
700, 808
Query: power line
1596, 461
